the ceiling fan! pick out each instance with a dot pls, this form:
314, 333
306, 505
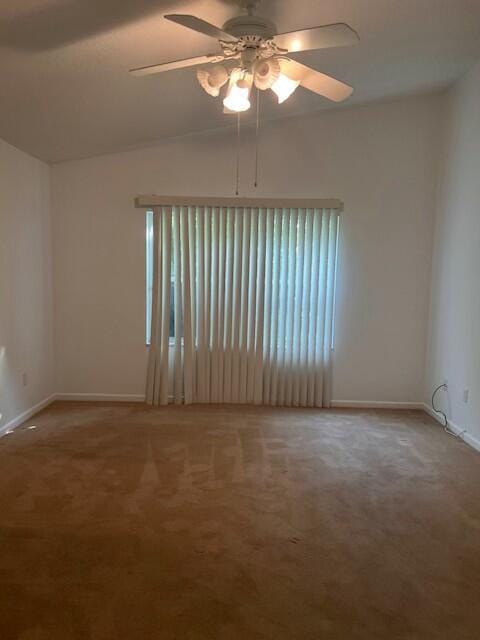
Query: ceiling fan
253, 54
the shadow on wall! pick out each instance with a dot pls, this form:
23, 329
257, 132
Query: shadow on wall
55, 24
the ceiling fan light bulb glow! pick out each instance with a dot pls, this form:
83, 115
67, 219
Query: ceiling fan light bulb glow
284, 87
237, 99
238, 94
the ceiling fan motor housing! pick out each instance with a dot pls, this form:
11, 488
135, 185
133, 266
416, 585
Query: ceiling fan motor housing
250, 26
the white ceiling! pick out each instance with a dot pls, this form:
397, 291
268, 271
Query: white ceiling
66, 92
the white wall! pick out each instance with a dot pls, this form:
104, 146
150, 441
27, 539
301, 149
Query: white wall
26, 316
380, 159
454, 346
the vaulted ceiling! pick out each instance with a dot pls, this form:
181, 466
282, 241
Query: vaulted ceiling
66, 92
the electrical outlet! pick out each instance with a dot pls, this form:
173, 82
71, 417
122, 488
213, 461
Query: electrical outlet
24, 379
466, 393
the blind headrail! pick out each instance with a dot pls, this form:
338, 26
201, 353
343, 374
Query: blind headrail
152, 201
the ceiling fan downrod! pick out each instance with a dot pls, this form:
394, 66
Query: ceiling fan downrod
250, 6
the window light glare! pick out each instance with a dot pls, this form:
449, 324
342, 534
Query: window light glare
284, 87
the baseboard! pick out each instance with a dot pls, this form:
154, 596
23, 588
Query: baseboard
468, 438
374, 404
25, 415
473, 441
100, 397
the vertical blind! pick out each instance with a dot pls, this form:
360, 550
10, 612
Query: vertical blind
253, 305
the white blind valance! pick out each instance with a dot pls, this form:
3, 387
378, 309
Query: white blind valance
253, 300
152, 201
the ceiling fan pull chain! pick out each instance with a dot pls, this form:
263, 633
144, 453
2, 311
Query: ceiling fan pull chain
238, 155
257, 129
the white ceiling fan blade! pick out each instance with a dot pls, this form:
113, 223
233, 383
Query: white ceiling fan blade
201, 26
330, 35
316, 81
176, 64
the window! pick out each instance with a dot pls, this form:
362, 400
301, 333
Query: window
149, 282
283, 256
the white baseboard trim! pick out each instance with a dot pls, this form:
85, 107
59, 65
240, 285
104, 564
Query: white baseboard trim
473, 441
99, 397
468, 438
374, 404
25, 415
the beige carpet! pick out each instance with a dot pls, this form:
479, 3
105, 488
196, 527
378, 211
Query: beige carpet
217, 523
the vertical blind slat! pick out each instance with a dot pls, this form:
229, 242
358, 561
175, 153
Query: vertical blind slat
313, 318
267, 319
207, 302
221, 292
178, 306
257, 344
323, 391
282, 320
319, 331
236, 316
200, 316
275, 306
166, 293
305, 325
215, 242
291, 293
297, 313
188, 380
251, 307
229, 295
242, 376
